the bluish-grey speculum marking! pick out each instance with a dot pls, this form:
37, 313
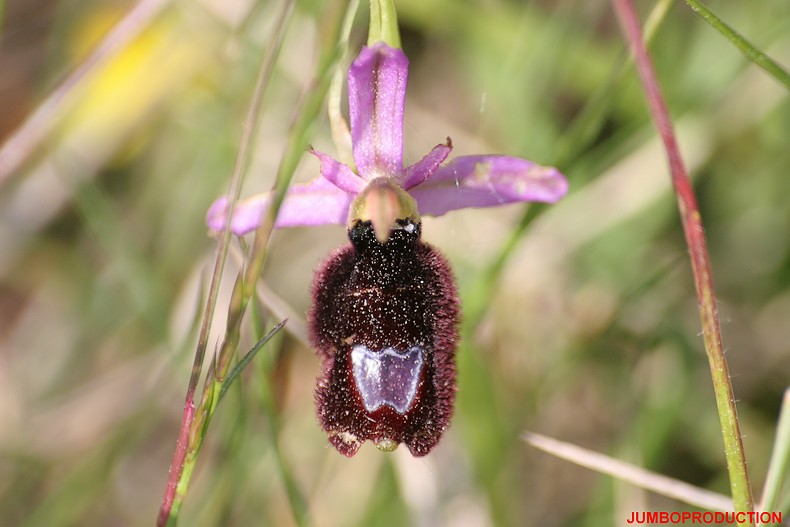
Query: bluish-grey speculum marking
387, 377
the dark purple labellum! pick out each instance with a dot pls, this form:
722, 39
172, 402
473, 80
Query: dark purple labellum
384, 321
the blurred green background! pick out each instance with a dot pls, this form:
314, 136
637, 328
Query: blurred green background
587, 331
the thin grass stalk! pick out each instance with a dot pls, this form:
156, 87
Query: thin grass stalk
633, 474
297, 143
754, 54
245, 284
186, 440
336, 45
700, 262
334, 42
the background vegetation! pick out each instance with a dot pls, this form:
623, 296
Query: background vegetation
584, 329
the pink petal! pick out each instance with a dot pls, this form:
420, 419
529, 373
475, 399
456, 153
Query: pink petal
318, 202
376, 95
487, 181
425, 167
339, 174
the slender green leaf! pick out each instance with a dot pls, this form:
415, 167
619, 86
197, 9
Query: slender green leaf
247, 358
747, 48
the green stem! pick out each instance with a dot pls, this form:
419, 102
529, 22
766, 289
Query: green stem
746, 47
383, 23
700, 263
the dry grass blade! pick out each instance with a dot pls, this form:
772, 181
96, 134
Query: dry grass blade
638, 476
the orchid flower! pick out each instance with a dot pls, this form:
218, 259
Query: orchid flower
385, 310
377, 91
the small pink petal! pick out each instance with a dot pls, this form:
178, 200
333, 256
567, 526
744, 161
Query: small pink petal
318, 202
487, 181
339, 174
425, 167
376, 95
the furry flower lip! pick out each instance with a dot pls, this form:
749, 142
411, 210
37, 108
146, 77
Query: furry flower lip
385, 310
384, 322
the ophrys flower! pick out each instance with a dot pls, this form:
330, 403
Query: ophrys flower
385, 308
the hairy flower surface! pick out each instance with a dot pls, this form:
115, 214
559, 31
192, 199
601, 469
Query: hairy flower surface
384, 320
385, 310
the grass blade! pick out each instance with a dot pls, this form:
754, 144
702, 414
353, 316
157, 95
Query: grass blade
247, 358
638, 476
747, 48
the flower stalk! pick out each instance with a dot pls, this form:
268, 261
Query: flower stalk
383, 23
700, 263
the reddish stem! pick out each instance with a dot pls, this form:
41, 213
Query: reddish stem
700, 262
177, 466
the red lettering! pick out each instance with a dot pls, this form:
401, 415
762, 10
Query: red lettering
705, 517
769, 517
